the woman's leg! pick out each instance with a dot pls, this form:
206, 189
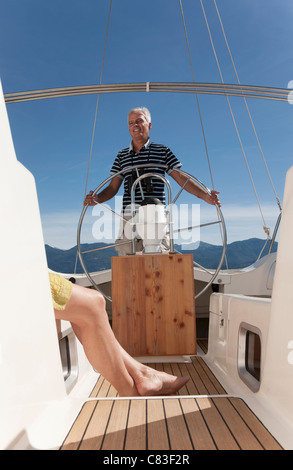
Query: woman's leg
87, 314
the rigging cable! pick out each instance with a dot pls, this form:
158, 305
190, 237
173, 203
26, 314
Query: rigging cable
199, 111
197, 101
98, 99
96, 113
266, 229
248, 111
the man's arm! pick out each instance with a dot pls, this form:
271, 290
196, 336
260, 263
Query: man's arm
192, 188
110, 191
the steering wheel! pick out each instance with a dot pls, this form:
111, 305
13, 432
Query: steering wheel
220, 221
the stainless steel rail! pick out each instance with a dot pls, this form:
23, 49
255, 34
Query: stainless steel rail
242, 91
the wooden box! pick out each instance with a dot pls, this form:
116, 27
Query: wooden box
153, 308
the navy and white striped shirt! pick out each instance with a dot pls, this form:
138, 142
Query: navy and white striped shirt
150, 153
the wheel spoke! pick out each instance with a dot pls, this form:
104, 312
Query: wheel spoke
105, 247
201, 267
188, 178
195, 226
111, 210
180, 191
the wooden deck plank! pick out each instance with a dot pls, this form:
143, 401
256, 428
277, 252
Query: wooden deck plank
177, 429
136, 426
198, 379
207, 378
101, 388
238, 428
168, 423
75, 436
222, 436
203, 344
212, 378
214, 422
115, 432
199, 433
157, 435
95, 431
96, 390
263, 435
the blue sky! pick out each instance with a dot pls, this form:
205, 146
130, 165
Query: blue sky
60, 43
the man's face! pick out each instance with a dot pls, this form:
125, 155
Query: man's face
139, 127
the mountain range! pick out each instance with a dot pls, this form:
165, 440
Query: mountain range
238, 254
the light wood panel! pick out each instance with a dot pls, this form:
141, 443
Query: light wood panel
153, 307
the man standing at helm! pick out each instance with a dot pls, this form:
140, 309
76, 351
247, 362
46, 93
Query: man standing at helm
143, 151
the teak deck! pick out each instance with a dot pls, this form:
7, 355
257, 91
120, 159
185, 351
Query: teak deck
208, 422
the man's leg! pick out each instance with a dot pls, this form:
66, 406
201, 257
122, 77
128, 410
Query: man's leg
123, 241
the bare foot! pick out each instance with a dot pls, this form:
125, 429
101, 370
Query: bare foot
153, 382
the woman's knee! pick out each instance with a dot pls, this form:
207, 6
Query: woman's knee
96, 307
86, 306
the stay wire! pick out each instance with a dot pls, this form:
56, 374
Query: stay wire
248, 111
235, 125
96, 113
196, 95
98, 99
199, 112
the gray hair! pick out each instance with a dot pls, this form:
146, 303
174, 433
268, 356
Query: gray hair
144, 111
